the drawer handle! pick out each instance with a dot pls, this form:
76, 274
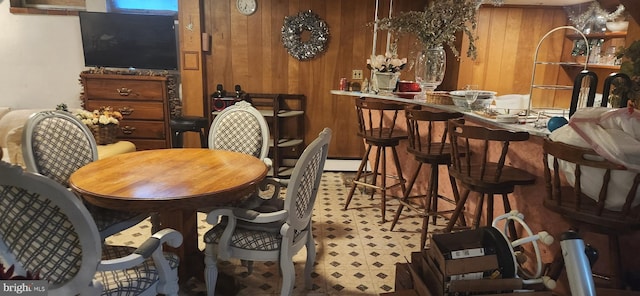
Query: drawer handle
126, 110
124, 91
128, 130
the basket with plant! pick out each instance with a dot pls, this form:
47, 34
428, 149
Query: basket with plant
103, 123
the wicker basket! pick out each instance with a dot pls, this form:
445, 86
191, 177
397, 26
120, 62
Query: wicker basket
105, 134
439, 97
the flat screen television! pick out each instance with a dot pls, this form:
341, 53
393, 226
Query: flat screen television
129, 40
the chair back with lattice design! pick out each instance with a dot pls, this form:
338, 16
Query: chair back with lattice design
45, 229
240, 128
56, 144
583, 203
305, 179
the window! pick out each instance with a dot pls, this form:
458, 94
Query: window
71, 7
164, 7
55, 4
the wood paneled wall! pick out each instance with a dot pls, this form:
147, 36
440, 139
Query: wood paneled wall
508, 37
247, 50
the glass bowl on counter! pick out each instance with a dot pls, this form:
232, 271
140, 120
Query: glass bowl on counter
484, 100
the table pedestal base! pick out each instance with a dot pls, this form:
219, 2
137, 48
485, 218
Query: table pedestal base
191, 258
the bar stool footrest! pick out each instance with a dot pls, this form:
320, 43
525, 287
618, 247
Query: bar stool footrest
361, 183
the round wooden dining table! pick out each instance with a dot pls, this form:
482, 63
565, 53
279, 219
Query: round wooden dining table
175, 183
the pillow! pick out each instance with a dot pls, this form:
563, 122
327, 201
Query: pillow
4, 110
13, 119
5, 154
613, 134
14, 146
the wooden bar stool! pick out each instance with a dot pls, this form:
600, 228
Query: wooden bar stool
376, 122
427, 147
474, 171
600, 200
188, 124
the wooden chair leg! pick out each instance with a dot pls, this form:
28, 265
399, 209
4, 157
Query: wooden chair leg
616, 264
556, 267
407, 195
376, 172
425, 223
363, 164
456, 213
456, 197
396, 159
513, 233
433, 191
489, 209
478, 212
384, 185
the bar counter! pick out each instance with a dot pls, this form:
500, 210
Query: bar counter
528, 127
526, 199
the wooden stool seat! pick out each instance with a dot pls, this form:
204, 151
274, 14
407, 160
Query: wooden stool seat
475, 171
430, 147
376, 123
188, 124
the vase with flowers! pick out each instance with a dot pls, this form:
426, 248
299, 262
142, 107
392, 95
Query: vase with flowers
435, 27
386, 70
103, 123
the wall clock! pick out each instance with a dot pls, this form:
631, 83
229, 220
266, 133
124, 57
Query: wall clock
247, 7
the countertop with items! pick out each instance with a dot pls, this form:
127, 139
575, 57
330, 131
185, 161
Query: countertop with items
491, 115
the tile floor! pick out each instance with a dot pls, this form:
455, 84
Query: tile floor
356, 255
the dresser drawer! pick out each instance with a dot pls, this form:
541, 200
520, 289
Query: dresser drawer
141, 129
143, 144
124, 89
153, 110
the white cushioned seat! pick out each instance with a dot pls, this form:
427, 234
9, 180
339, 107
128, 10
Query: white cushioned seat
116, 148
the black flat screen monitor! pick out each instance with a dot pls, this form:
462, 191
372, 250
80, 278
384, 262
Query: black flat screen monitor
129, 40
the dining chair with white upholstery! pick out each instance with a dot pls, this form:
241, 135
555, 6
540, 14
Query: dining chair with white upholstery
241, 128
46, 230
56, 144
275, 231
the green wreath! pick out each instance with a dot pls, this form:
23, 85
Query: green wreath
293, 28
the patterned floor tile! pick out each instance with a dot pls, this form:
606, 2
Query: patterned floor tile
356, 254
341, 281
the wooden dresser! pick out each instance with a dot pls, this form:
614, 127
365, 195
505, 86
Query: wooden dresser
146, 104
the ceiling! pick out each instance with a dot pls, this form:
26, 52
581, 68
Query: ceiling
545, 2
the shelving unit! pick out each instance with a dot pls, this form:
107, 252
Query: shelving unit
540, 90
608, 39
285, 115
